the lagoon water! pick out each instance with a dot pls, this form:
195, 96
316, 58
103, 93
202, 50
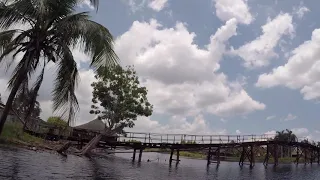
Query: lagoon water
24, 164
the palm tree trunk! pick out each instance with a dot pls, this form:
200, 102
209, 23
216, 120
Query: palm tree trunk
9, 103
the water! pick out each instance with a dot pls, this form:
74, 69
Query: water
24, 164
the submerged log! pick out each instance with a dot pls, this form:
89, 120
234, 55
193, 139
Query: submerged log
64, 148
92, 144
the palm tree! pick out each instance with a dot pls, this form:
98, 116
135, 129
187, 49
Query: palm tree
54, 28
286, 136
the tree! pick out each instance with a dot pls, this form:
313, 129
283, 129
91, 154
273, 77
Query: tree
52, 29
21, 104
0, 99
119, 93
58, 123
286, 136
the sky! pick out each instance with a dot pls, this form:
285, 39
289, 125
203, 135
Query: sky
212, 66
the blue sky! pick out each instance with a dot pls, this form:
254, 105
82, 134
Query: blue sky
216, 66
285, 106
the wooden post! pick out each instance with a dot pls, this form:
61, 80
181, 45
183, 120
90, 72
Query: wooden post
266, 160
134, 154
252, 156
297, 155
171, 154
318, 153
218, 155
305, 155
140, 154
242, 156
209, 156
178, 154
275, 154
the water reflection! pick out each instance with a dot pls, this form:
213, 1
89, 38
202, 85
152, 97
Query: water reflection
24, 164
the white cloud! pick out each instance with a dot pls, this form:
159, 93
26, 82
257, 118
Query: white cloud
260, 51
290, 117
270, 117
86, 3
300, 11
238, 9
223, 120
238, 132
270, 134
177, 125
157, 5
301, 70
300, 132
181, 77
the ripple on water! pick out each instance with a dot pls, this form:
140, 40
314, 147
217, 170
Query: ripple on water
24, 164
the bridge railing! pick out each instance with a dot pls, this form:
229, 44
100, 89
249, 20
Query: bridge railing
189, 139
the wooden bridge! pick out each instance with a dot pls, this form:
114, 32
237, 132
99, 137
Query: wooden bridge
215, 145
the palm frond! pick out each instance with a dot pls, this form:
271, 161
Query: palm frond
64, 98
93, 38
34, 93
5, 38
18, 12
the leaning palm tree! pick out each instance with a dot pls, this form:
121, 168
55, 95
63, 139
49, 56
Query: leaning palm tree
52, 29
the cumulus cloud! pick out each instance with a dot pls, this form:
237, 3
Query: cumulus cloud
260, 51
299, 132
238, 132
238, 9
301, 70
181, 77
177, 125
270, 134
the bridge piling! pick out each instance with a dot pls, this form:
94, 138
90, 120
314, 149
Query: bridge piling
209, 157
178, 154
266, 159
171, 154
318, 154
140, 154
134, 154
251, 156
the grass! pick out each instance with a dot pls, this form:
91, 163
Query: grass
194, 155
13, 133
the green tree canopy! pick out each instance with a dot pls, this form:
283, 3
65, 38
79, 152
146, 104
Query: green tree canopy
57, 121
52, 28
118, 92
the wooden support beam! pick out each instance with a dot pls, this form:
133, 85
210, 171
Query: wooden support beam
178, 156
140, 155
266, 159
209, 156
318, 154
275, 154
171, 154
218, 155
305, 155
242, 156
298, 155
134, 154
251, 156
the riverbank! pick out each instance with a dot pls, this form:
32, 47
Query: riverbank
199, 155
13, 135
